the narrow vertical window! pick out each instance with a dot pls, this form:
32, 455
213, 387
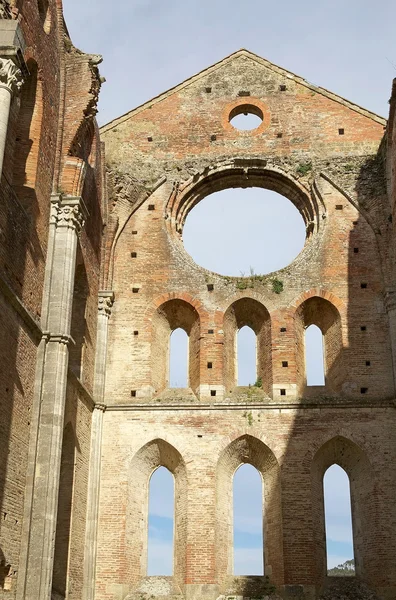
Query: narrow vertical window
246, 356
338, 520
178, 359
314, 356
160, 523
248, 521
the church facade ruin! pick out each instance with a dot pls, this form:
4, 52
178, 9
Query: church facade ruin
94, 278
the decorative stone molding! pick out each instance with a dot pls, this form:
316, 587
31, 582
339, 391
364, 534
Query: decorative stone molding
105, 303
68, 211
101, 407
58, 338
10, 75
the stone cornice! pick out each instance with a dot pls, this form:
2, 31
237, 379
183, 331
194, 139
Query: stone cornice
58, 338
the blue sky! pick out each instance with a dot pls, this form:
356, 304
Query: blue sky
150, 46
248, 519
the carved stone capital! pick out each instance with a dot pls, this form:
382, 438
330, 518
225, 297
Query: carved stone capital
105, 303
10, 75
99, 406
5, 10
68, 211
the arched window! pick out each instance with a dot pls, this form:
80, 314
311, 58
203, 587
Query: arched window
28, 136
314, 356
338, 522
247, 356
247, 345
160, 523
248, 521
178, 359
320, 357
175, 350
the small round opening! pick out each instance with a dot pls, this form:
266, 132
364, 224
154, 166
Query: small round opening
244, 232
246, 117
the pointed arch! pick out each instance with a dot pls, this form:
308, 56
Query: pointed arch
161, 515
251, 313
353, 460
178, 359
249, 450
152, 455
338, 515
314, 356
246, 352
318, 311
171, 315
248, 517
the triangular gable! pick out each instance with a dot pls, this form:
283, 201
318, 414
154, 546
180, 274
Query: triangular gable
262, 62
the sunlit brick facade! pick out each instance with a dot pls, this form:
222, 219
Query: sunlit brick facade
94, 278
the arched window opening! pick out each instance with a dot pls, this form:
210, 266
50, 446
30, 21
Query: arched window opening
338, 523
161, 523
320, 356
175, 354
247, 346
178, 359
28, 135
246, 356
246, 121
248, 521
314, 356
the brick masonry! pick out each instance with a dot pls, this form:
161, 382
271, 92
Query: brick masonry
41, 159
329, 158
68, 224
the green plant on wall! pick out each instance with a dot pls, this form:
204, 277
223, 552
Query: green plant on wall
277, 286
304, 168
249, 418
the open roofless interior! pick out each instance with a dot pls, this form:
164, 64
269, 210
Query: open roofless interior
198, 326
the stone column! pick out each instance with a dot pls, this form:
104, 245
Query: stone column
10, 83
39, 528
106, 300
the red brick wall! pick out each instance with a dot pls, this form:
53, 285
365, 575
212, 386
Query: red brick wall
39, 146
324, 155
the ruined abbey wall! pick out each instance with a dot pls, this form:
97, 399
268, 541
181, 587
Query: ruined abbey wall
94, 278
327, 156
